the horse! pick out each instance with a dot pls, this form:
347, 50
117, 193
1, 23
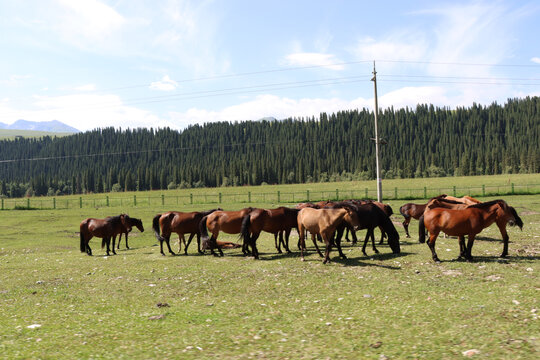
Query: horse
229, 222
275, 221
444, 203
470, 221
323, 222
464, 199
384, 207
415, 211
370, 216
132, 222
180, 223
102, 228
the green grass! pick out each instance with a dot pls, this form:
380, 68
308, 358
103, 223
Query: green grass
402, 306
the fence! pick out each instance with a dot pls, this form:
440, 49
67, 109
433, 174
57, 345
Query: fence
249, 197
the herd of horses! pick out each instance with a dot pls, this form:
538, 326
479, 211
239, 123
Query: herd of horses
326, 221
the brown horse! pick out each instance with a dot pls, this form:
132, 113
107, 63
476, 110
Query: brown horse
181, 223
387, 209
415, 211
229, 222
323, 222
132, 222
275, 221
102, 228
470, 221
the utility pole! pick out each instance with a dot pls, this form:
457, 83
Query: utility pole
379, 183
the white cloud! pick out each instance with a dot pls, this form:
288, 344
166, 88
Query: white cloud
87, 87
536, 60
87, 23
328, 61
165, 84
400, 47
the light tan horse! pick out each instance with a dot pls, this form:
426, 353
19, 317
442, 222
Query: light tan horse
229, 222
323, 222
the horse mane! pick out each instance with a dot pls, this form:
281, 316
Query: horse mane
135, 221
208, 212
114, 220
438, 197
487, 204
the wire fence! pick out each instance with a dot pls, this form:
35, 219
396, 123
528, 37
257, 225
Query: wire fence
249, 197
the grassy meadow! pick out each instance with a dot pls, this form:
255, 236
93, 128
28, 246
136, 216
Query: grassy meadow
56, 302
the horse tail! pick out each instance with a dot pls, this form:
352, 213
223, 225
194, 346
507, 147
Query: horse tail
421, 230
203, 229
103, 242
406, 216
83, 243
155, 227
388, 210
244, 229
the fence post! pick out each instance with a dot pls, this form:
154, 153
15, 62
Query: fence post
191, 198
337, 194
307, 195
28, 203
54, 203
512, 188
278, 197
395, 193
366, 194
249, 196
220, 196
483, 190
2, 203
162, 199
80, 202
454, 190
134, 200
425, 192
107, 201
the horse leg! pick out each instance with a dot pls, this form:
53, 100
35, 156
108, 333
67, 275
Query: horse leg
169, 246
87, 246
373, 241
119, 238
313, 238
347, 235
188, 242
468, 254
462, 248
383, 235
338, 245
365, 242
285, 240
253, 242
107, 242
277, 241
127, 246
328, 242
406, 226
113, 242
502, 229
431, 244
199, 243
301, 242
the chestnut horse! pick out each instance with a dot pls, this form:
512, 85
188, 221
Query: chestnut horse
444, 203
229, 222
275, 221
102, 228
132, 222
323, 222
412, 210
180, 223
470, 221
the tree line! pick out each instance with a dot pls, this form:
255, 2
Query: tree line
425, 141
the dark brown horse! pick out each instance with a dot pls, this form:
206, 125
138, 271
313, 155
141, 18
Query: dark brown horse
132, 222
371, 216
181, 223
323, 222
229, 222
384, 207
102, 228
411, 210
274, 221
470, 221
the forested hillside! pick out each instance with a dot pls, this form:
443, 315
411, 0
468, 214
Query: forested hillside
421, 142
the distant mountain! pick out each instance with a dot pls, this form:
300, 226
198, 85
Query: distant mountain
50, 126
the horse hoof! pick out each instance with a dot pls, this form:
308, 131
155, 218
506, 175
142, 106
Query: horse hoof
344, 257
503, 255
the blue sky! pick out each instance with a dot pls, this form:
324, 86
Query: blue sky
97, 63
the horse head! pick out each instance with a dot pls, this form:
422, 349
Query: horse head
137, 223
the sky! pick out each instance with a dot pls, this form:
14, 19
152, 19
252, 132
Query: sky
174, 63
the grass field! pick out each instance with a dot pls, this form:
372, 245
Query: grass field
12, 134
139, 304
